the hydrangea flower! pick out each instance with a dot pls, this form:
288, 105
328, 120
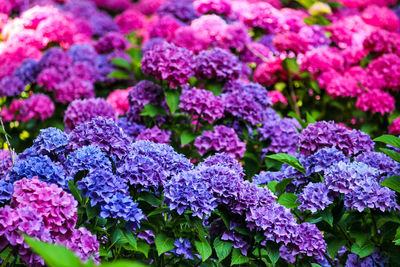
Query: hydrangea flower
132, 129
155, 134
181, 10
6, 190
80, 111
221, 139
183, 247
28, 71
73, 88
37, 106
83, 53
51, 142
11, 86
200, 103
55, 57
323, 159
225, 160
376, 101
314, 197
118, 99
394, 128
130, 20
110, 42
57, 208
6, 161
380, 161
222, 7
167, 62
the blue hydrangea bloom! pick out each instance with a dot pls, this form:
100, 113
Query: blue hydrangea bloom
183, 247
380, 161
322, 159
132, 129
51, 142
6, 190
101, 185
83, 52
314, 197
87, 158
225, 160
123, 207
40, 166
28, 71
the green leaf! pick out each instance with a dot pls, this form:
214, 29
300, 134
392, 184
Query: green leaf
281, 186
306, 3
290, 65
294, 115
334, 245
391, 153
273, 252
272, 186
238, 258
288, 200
172, 99
363, 250
163, 243
54, 256
216, 88
223, 249
144, 248
327, 216
393, 182
131, 239
389, 139
288, 159
150, 199
118, 238
92, 212
119, 74
187, 137
152, 111
310, 119
158, 211
123, 263
120, 62
3, 131
204, 248
75, 191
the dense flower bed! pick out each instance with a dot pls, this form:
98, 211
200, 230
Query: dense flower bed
204, 132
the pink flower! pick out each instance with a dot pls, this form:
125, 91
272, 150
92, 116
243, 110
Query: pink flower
394, 128
277, 96
130, 20
376, 101
118, 99
8, 114
381, 17
37, 106
270, 72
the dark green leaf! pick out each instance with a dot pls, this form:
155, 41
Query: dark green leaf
54, 256
290, 65
393, 182
187, 137
120, 62
238, 258
310, 119
216, 88
327, 216
294, 115
150, 199
163, 243
131, 239
172, 99
157, 211
306, 3
119, 74
204, 248
363, 250
118, 238
222, 248
123, 263
281, 186
144, 248
152, 111
334, 245
288, 159
391, 153
2, 131
288, 200
272, 186
389, 139
92, 212
273, 252
75, 191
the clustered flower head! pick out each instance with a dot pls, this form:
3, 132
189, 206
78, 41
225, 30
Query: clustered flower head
155, 134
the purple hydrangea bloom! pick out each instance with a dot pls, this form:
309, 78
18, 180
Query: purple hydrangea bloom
264, 178
238, 240
217, 64
250, 196
259, 93
314, 35
221, 139
225, 160
155, 135
283, 134
183, 247
103, 133
6, 190
167, 62
377, 258
40, 166
190, 191
80, 111
73, 88
102, 23
315, 196
200, 103
328, 134
101, 185
11, 86
51, 142
380, 161
87, 158
104, 67
28, 71
6, 161
181, 10
308, 241
123, 207
132, 129
235, 36
83, 53
148, 236
323, 159
110, 42
55, 57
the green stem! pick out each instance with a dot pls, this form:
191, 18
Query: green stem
293, 96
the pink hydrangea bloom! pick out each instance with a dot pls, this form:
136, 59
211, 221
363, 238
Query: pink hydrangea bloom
386, 71
322, 59
8, 114
212, 6
156, 135
343, 86
382, 41
270, 72
130, 20
188, 38
261, 15
376, 101
57, 207
37, 106
148, 7
291, 19
366, 3
73, 88
208, 27
381, 17
49, 78
290, 41
164, 27
235, 36
118, 99
394, 128
277, 96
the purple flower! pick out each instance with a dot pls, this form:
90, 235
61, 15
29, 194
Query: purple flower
221, 139
216, 64
104, 67
238, 240
148, 236
111, 41
377, 258
183, 247
323, 159
328, 134
200, 103
181, 10
380, 161
102, 23
80, 111
28, 71
250, 196
11, 86
167, 62
315, 196
155, 135
83, 53
51, 142
55, 57
225, 160
87, 158
6, 190
73, 88
103, 133
132, 129
6, 161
